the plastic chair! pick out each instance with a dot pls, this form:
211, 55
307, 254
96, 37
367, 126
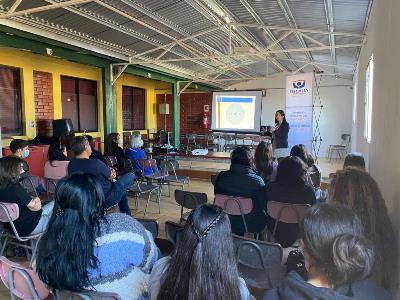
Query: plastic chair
151, 225
22, 282
340, 149
139, 188
172, 231
210, 144
152, 164
286, 213
259, 262
230, 142
9, 212
27, 183
235, 206
86, 295
171, 166
51, 185
189, 200
111, 161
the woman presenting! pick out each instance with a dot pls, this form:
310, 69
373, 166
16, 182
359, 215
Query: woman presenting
280, 131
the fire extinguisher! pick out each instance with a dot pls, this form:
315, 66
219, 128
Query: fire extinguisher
205, 120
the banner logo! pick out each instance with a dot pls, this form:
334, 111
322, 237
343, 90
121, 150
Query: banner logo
299, 84
299, 87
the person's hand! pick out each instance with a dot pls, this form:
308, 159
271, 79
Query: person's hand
272, 129
113, 174
35, 204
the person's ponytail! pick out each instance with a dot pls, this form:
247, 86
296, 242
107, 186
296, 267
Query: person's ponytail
353, 259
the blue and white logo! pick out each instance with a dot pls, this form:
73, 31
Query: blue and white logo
299, 84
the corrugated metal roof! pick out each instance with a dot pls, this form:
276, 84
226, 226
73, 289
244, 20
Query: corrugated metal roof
135, 26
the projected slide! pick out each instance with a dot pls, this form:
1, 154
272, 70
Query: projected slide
236, 111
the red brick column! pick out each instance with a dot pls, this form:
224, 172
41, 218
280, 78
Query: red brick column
43, 85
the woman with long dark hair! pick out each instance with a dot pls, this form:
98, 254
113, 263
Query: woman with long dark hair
203, 265
264, 162
357, 189
242, 181
314, 173
56, 166
33, 218
337, 257
112, 148
289, 187
280, 132
85, 249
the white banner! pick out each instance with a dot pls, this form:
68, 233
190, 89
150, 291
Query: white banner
299, 110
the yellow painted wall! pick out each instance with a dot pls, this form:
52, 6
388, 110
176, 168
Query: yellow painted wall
150, 87
29, 62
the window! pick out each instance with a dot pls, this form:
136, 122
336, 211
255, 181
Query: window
79, 103
10, 102
369, 84
133, 108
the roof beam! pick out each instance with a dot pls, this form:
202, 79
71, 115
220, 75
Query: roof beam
320, 48
269, 33
42, 8
14, 7
298, 30
330, 23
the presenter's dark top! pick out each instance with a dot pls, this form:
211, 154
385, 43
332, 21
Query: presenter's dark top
281, 136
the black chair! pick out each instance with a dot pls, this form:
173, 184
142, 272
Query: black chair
259, 262
165, 246
171, 166
51, 185
189, 200
27, 183
172, 231
151, 225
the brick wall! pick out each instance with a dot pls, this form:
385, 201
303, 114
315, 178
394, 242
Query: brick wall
43, 86
191, 112
160, 118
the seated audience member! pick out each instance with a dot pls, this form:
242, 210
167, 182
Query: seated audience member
134, 152
212, 264
33, 219
355, 188
290, 187
112, 148
114, 192
265, 164
337, 256
354, 159
66, 140
19, 148
242, 181
108, 253
313, 175
95, 154
57, 165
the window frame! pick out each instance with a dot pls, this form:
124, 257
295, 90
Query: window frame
132, 106
77, 80
369, 90
19, 101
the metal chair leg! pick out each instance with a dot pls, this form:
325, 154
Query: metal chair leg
4, 245
159, 200
147, 204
